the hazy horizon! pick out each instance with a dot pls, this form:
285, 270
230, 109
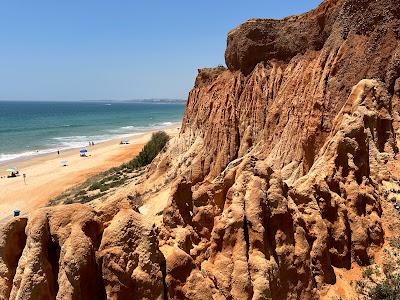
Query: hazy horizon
63, 51
98, 100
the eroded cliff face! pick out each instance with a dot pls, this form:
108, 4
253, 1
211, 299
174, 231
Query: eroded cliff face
289, 103
275, 178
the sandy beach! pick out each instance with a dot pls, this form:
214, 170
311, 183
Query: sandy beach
46, 177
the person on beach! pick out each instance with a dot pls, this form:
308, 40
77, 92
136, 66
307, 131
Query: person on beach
58, 152
24, 175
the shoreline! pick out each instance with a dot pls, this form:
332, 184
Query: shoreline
50, 151
46, 178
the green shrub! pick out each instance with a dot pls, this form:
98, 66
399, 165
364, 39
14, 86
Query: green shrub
367, 272
95, 186
110, 178
68, 201
150, 151
81, 193
86, 198
388, 269
387, 290
104, 188
395, 242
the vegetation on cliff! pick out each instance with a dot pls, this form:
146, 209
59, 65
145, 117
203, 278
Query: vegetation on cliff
100, 185
150, 151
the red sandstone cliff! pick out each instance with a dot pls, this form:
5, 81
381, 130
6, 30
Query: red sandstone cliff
275, 180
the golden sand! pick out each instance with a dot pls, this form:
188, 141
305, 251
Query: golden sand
46, 177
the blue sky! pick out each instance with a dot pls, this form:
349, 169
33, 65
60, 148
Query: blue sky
115, 49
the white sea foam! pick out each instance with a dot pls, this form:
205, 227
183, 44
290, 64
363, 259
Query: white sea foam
77, 141
140, 129
16, 156
9, 157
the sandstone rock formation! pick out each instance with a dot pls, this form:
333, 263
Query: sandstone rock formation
275, 178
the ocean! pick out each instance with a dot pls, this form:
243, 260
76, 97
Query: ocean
32, 128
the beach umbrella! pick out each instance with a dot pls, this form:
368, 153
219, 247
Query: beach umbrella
64, 163
83, 151
12, 169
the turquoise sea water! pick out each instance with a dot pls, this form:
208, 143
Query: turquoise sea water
30, 128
